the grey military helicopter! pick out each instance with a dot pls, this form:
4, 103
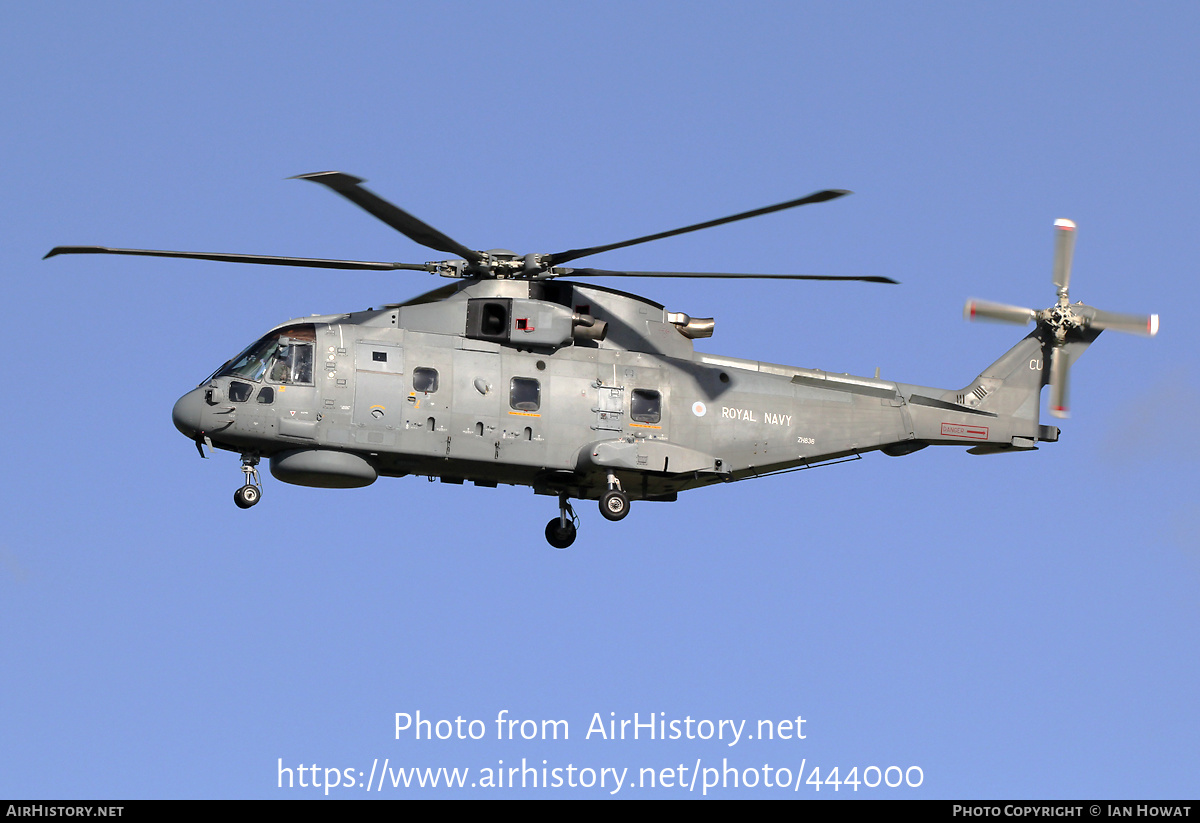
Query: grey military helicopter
512, 375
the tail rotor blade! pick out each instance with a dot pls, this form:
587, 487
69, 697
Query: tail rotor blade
1145, 325
999, 312
1059, 395
1064, 252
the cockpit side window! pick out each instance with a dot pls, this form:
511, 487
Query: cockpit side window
284, 356
293, 363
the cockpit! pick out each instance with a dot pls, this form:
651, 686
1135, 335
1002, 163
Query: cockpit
284, 357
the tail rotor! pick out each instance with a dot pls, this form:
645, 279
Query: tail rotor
1063, 321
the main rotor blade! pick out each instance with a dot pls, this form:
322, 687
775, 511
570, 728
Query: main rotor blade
308, 262
983, 310
718, 274
575, 254
417, 230
1146, 325
1059, 394
1064, 252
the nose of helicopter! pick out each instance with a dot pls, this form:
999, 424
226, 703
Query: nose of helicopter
187, 412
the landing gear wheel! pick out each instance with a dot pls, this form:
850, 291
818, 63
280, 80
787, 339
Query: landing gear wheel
251, 491
561, 531
614, 505
246, 496
557, 536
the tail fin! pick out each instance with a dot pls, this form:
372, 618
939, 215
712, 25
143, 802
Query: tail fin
1012, 386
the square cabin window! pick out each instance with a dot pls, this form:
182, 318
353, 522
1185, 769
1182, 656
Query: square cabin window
425, 380
645, 406
525, 394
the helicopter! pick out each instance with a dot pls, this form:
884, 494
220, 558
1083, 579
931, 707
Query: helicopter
513, 375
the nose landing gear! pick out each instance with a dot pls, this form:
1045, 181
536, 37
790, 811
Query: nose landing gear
561, 531
251, 492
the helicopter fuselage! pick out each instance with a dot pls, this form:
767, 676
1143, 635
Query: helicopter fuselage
562, 387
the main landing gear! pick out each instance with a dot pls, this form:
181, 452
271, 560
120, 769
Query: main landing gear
561, 531
251, 492
614, 503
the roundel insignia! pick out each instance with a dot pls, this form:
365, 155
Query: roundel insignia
699, 409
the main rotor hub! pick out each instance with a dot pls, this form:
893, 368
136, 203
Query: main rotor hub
500, 264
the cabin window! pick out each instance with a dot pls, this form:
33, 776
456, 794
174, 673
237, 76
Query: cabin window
645, 406
425, 380
525, 394
266, 395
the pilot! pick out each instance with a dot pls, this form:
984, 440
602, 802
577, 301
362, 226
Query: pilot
279, 371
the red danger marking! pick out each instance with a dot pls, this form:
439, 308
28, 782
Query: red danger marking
960, 430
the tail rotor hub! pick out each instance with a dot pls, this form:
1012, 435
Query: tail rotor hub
1061, 320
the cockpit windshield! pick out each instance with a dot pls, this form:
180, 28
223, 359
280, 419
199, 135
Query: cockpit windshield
283, 356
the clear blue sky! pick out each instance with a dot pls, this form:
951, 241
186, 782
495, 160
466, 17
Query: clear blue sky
1014, 626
